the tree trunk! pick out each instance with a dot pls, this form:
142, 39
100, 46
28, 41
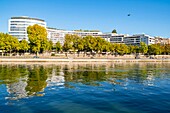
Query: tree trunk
37, 53
84, 54
2, 53
10, 53
78, 53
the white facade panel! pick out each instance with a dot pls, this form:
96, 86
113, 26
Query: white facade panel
17, 26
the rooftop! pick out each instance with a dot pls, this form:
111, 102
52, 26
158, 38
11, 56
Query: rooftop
26, 17
86, 30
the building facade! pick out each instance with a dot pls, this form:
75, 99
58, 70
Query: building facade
117, 38
17, 26
85, 33
162, 41
136, 39
56, 35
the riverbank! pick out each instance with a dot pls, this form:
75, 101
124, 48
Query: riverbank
81, 60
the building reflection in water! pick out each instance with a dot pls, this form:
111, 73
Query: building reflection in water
17, 90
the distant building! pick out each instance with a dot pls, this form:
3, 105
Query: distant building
93, 33
56, 35
84, 33
117, 38
162, 41
136, 39
17, 26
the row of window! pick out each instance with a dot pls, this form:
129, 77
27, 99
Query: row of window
17, 33
17, 29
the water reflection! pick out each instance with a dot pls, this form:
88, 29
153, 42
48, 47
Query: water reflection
30, 80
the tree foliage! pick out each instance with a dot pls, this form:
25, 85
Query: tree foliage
58, 46
114, 31
143, 48
154, 49
24, 45
8, 43
38, 38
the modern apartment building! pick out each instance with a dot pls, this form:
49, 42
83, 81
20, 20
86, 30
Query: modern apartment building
56, 35
84, 33
136, 39
117, 38
17, 26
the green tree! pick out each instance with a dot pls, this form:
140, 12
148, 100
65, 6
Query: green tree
154, 49
79, 45
50, 45
89, 44
75, 44
2, 42
68, 43
121, 49
166, 49
37, 38
101, 45
58, 47
24, 46
9, 43
114, 31
132, 49
112, 48
143, 48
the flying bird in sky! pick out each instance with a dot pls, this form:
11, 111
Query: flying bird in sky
129, 15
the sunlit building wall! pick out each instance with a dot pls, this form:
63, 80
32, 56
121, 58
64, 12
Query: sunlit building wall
17, 26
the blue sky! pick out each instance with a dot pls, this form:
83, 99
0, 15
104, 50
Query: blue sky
151, 17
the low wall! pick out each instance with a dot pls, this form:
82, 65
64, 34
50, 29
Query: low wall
82, 60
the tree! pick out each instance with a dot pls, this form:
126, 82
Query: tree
132, 49
8, 43
166, 49
78, 44
75, 44
58, 46
50, 45
24, 46
143, 48
112, 48
68, 43
99, 45
121, 49
89, 44
114, 31
37, 38
154, 49
2, 42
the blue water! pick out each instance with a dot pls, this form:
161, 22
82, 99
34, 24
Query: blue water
86, 88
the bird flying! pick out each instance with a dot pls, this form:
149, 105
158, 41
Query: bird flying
129, 15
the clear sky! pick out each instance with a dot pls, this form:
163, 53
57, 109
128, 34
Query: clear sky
151, 17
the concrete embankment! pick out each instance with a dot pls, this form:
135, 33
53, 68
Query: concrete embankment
81, 60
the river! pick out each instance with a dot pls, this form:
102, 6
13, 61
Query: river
85, 88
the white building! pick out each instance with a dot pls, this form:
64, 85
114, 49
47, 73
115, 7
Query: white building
17, 26
84, 33
56, 35
117, 38
136, 39
93, 33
